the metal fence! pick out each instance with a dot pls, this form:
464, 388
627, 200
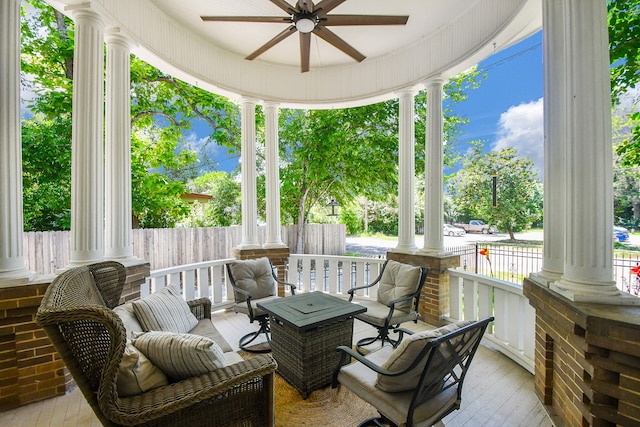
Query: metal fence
514, 263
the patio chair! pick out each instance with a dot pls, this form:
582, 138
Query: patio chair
253, 281
418, 383
397, 300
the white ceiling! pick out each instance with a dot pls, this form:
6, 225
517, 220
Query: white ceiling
425, 16
441, 38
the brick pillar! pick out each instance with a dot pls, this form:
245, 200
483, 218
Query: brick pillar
434, 302
587, 358
279, 257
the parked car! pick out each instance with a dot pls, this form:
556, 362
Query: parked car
450, 230
620, 234
477, 226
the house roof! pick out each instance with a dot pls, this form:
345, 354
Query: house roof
440, 38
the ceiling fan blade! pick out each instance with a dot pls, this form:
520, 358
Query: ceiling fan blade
305, 51
327, 6
275, 19
274, 41
283, 5
331, 38
305, 6
334, 20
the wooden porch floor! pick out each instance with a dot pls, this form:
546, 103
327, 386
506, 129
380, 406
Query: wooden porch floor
497, 391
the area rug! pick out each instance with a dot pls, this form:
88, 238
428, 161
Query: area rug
330, 407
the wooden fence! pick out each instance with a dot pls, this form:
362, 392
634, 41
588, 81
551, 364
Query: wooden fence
47, 251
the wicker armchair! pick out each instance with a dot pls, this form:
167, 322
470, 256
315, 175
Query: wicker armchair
90, 339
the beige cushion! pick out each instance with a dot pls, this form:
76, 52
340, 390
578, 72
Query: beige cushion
136, 374
402, 357
398, 280
254, 276
165, 310
129, 320
180, 356
205, 328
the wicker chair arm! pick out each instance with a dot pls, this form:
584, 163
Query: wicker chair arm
201, 308
169, 399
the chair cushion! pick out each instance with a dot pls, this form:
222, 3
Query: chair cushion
402, 357
395, 406
254, 276
398, 280
180, 356
128, 316
136, 374
377, 313
206, 328
165, 310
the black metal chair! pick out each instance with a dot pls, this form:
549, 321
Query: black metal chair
253, 281
418, 383
397, 301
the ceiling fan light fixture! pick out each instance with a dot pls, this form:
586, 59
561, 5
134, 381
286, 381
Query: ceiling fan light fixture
305, 25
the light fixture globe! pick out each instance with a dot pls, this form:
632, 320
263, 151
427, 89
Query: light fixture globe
305, 24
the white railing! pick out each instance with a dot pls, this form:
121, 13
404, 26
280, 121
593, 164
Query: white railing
201, 279
333, 274
474, 297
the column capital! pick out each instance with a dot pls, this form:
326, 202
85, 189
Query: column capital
406, 92
271, 104
435, 81
247, 100
87, 12
113, 35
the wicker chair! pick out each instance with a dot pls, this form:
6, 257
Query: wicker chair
253, 281
418, 383
398, 297
90, 339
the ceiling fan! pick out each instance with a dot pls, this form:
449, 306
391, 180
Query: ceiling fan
307, 18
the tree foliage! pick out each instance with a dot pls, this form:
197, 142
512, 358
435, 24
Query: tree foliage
164, 111
518, 189
224, 208
624, 52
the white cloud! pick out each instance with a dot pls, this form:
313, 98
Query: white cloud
522, 127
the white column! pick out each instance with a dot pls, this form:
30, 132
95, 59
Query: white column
556, 135
87, 157
274, 233
12, 267
406, 171
248, 166
433, 174
118, 236
588, 263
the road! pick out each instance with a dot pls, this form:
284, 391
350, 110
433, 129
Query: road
377, 246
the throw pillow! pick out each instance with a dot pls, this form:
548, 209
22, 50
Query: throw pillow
165, 310
180, 356
136, 374
129, 320
402, 357
398, 280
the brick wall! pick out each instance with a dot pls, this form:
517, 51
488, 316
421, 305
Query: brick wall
587, 360
30, 369
434, 300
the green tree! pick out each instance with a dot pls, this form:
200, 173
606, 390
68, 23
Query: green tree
353, 152
224, 208
518, 189
624, 53
163, 109
626, 177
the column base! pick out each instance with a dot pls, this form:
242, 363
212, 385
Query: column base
16, 277
405, 249
435, 252
274, 245
545, 278
591, 293
127, 261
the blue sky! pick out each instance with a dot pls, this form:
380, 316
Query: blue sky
505, 111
